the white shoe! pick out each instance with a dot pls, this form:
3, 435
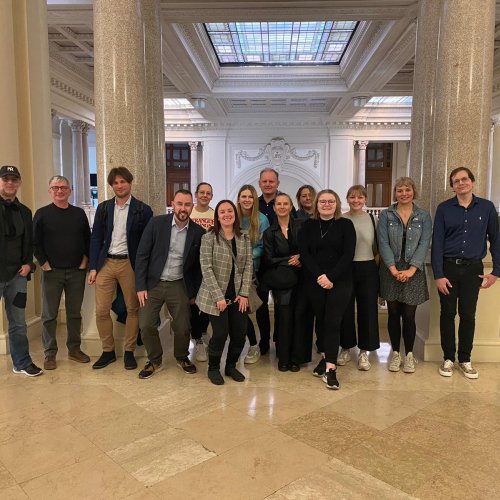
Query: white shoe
344, 357
468, 370
363, 363
446, 368
409, 366
395, 363
253, 355
200, 350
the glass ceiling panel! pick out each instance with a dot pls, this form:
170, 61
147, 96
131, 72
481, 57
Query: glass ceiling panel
284, 43
405, 100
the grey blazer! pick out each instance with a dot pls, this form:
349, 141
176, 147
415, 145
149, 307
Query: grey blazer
216, 264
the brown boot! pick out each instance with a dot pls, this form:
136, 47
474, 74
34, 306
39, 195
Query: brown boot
78, 356
50, 363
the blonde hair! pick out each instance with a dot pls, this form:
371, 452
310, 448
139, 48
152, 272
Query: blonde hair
338, 209
405, 181
357, 188
254, 226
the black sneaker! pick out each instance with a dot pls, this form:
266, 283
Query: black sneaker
320, 370
330, 379
215, 376
235, 374
30, 371
264, 347
149, 370
129, 360
186, 366
105, 359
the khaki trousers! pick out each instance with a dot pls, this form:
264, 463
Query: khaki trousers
116, 271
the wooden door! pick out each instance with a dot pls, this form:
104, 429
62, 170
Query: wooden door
178, 165
379, 174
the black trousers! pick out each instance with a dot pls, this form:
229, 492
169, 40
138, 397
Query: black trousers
263, 322
233, 324
365, 295
284, 303
199, 322
329, 308
466, 284
304, 326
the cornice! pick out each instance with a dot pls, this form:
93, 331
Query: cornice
70, 91
368, 125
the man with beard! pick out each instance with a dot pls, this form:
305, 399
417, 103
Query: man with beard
118, 226
168, 272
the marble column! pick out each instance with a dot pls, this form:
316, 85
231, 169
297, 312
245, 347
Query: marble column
87, 200
362, 162
57, 122
25, 127
452, 92
494, 169
77, 128
129, 96
193, 147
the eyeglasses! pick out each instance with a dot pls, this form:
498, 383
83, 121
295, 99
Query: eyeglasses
327, 202
59, 188
459, 181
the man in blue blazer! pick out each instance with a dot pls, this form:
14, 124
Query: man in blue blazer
118, 226
168, 272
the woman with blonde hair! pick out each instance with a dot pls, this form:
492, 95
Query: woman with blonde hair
327, 243
254, 223
404, 233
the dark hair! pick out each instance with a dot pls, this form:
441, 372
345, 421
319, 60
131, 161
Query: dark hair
122, 172
216, 228
204, 184
183, 191
459, 169
299, 193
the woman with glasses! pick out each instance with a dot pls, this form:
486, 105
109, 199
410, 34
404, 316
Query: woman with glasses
253, 223
404, 232
226, 265
365, 285
327, 244
281, 275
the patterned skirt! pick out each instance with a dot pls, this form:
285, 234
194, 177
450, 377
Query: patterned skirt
413, 292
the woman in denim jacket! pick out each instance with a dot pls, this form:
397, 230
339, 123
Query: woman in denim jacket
404, 232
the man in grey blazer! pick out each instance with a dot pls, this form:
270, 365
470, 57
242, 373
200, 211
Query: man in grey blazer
167, 271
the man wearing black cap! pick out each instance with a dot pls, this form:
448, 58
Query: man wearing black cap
16, 262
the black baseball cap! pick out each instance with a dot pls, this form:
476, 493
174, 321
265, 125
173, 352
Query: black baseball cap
9, 170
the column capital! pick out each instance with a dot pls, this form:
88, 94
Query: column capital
193, 145
495, 122
78, 126
362, 144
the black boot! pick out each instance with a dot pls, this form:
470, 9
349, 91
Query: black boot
106, 358
214, 370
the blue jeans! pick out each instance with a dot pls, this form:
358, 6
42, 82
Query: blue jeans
14, 293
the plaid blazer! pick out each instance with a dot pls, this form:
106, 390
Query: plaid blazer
216, 265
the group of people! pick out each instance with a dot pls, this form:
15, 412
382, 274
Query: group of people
325, 271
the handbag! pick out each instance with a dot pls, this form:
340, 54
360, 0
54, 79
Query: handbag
376, 253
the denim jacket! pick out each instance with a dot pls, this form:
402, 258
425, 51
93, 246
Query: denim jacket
390, 236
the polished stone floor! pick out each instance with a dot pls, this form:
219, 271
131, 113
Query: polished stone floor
77, 433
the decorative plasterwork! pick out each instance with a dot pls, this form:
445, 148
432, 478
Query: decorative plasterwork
71, 91
277, 152
369, 125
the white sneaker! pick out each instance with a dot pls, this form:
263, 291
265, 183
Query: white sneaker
468, 370
395, 363
344, 357
363, 363
253, 355
200, 350
409, 366
446, 368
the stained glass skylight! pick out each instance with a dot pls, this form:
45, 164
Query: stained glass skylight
280, 43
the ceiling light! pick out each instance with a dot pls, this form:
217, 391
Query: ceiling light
359, 101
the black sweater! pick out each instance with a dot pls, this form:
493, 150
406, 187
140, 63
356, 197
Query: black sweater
331, 254
61, 236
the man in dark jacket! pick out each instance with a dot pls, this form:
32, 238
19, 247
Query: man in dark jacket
118, 226
168, 272
16, 264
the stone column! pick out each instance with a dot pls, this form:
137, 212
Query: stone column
452, 92
128, 96
77, 127
57, 143
193, 146
362, 162
494, 170
87, 200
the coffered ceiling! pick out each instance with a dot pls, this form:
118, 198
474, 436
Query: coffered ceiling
378, 61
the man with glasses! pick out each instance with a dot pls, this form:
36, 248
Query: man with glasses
61, 240
16, 264
461, 226
167, 271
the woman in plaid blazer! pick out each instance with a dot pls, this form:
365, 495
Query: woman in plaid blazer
226, 265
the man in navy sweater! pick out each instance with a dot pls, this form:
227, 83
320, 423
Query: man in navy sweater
61, 240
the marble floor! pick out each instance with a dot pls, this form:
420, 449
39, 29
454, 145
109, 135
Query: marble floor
77, 433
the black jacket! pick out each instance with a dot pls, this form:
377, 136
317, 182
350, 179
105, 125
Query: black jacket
278, 249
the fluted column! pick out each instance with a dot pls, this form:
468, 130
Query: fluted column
87, 201
128, 96
451, 94
362, 162
77, 127
193, 146
57, 122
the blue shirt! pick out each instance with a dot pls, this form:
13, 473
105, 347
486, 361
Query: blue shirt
461, 232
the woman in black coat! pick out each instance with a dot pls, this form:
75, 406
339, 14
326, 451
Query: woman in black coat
281, 260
